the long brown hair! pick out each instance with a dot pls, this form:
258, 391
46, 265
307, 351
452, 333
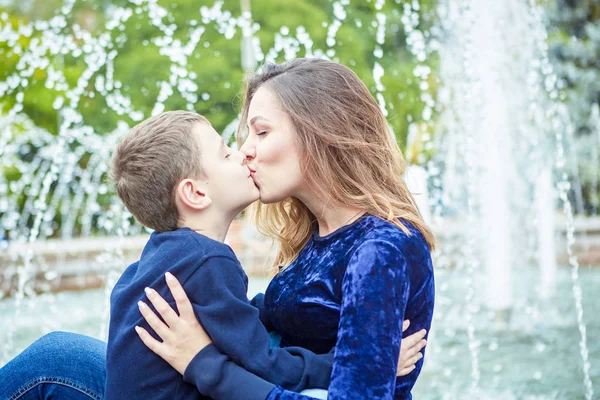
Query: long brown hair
347, 153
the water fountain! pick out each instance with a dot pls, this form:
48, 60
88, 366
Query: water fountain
498, 127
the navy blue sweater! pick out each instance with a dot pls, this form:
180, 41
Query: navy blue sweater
216, 285
348, 292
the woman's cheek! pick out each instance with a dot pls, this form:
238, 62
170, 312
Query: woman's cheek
266, 152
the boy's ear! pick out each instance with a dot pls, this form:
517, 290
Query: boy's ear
193, 195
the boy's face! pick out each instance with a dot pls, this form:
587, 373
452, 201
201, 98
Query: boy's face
228, 180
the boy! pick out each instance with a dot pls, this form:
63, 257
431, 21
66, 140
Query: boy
176, 176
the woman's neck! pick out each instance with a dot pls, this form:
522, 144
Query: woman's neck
331, 217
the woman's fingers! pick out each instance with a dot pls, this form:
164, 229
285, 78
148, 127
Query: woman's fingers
414, 359
405, 325
416, 349
406, 371
181, 299
410, 347
409, 365
163, 308
155, 323
414, 341
149, 341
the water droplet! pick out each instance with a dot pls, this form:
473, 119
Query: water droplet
540, 347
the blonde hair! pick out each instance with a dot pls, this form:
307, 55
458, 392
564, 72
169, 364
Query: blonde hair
347, 153
151, 160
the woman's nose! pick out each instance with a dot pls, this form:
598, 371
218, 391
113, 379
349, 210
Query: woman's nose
248, 148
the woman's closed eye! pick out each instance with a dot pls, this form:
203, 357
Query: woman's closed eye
261, 133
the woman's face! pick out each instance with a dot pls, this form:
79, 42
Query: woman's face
271, 149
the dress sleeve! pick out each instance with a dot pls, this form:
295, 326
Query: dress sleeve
217, 291
375, 292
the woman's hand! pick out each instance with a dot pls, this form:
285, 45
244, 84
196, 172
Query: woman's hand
410, 350
182, 336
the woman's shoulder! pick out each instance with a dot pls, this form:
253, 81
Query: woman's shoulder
378, 230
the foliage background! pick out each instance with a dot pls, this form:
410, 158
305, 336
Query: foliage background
216, 75
217, 60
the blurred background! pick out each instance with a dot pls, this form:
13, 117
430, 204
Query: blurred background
495, 105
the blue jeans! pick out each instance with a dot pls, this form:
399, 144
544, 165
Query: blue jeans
67, 366
60, 365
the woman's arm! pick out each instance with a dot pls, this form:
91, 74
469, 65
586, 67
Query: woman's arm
375, 292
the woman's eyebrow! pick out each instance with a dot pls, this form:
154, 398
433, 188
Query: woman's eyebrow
257, 118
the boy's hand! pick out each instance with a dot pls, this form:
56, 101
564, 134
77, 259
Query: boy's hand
410, 350
182, 336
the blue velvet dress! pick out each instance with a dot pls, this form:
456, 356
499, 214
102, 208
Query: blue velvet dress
347, 292
350, 292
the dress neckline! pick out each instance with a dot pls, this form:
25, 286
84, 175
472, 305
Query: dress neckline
339, 230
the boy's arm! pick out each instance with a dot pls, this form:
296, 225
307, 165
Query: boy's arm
227, 380
217, 290
258, 301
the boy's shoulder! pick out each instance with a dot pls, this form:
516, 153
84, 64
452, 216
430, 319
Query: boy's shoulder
181, 252
186, 243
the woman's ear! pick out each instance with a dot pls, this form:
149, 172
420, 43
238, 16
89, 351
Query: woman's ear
192, 195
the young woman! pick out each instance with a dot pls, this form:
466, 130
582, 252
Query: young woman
354, 253
353, 257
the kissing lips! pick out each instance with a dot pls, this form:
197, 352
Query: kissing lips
252, 172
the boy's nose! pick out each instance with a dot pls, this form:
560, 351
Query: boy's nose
241, 157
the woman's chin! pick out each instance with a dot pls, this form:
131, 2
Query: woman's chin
265, 198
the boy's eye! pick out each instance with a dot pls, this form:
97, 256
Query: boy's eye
228, 155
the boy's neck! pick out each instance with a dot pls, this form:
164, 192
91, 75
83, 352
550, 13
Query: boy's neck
213, 228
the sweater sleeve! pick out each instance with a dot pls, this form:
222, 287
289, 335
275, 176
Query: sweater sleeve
259, 302
217, 290
215, 375
223, 379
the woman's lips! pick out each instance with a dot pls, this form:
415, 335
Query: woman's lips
252, 176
